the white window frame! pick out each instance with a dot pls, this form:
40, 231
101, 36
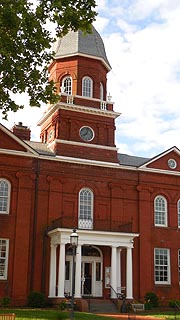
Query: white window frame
179, 266
178, 212
160, 211
5, 198
162, 266
85, 208
4, 258
67, 85
87, 87
101, 91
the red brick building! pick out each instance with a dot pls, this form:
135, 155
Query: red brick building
126, 209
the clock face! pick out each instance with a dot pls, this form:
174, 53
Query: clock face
86, 133
172, 163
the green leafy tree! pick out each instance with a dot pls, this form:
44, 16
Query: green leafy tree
26, 42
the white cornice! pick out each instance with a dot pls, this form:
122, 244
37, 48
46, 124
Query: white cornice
87, 162
77, 108
87, 236
19, 153
82, 144
160, 171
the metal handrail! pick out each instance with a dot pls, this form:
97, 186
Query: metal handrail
177, 305
119, 296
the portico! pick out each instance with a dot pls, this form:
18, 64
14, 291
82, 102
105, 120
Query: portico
89, 277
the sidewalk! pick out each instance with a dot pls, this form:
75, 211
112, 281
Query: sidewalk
129, 316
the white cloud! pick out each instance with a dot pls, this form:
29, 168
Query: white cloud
145, 81
143, 48
101, 23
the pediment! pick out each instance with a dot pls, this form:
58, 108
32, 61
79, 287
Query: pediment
168, 160
9, 142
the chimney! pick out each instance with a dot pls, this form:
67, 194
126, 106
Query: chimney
22, 132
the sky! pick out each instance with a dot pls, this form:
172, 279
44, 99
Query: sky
141, 39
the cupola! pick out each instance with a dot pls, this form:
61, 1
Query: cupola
81, 124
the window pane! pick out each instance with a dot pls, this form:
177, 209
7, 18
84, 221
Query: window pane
85, 209
160, 211
4, 196
98, 271
87, 87
67, 270
161, 266
3, 258
178, 209
85, 204
101, 91
67, 84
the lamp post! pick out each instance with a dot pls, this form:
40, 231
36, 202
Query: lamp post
74, 244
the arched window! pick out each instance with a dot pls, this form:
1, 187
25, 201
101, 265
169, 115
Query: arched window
87, 86
101, 91
4, 196
67, 85
178, 211
85, 209
160, 211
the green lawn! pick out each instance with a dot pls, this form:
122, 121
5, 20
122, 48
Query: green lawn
36, 314
169, 314
54, 314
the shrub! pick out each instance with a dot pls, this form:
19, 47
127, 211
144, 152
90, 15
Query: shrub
5, 302
148, 306
151, 299
36, 299
174, 303
62, 305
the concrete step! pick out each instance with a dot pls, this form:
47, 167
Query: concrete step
102, 306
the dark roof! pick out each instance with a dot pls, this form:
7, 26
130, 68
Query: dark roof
41, 148
74, 43
124, 159
134, 161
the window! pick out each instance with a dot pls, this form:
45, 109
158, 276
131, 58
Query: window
4, 196
67, 270
178, 210
87, 87
90, 251
85, 208
160, 211
179, 265
101, 91
4, 250
67, 85
98, 271
162, 266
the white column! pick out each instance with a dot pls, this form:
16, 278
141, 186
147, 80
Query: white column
52, 278
78, 273
61, 274
113, 271
119, 270
129, 284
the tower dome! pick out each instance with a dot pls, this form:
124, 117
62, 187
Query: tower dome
78, 43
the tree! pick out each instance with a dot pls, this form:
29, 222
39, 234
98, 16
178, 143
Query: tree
26, 42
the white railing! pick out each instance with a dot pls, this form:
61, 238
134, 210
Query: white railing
103, 105
70, 99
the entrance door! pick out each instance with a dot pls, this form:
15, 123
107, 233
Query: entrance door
87, 278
